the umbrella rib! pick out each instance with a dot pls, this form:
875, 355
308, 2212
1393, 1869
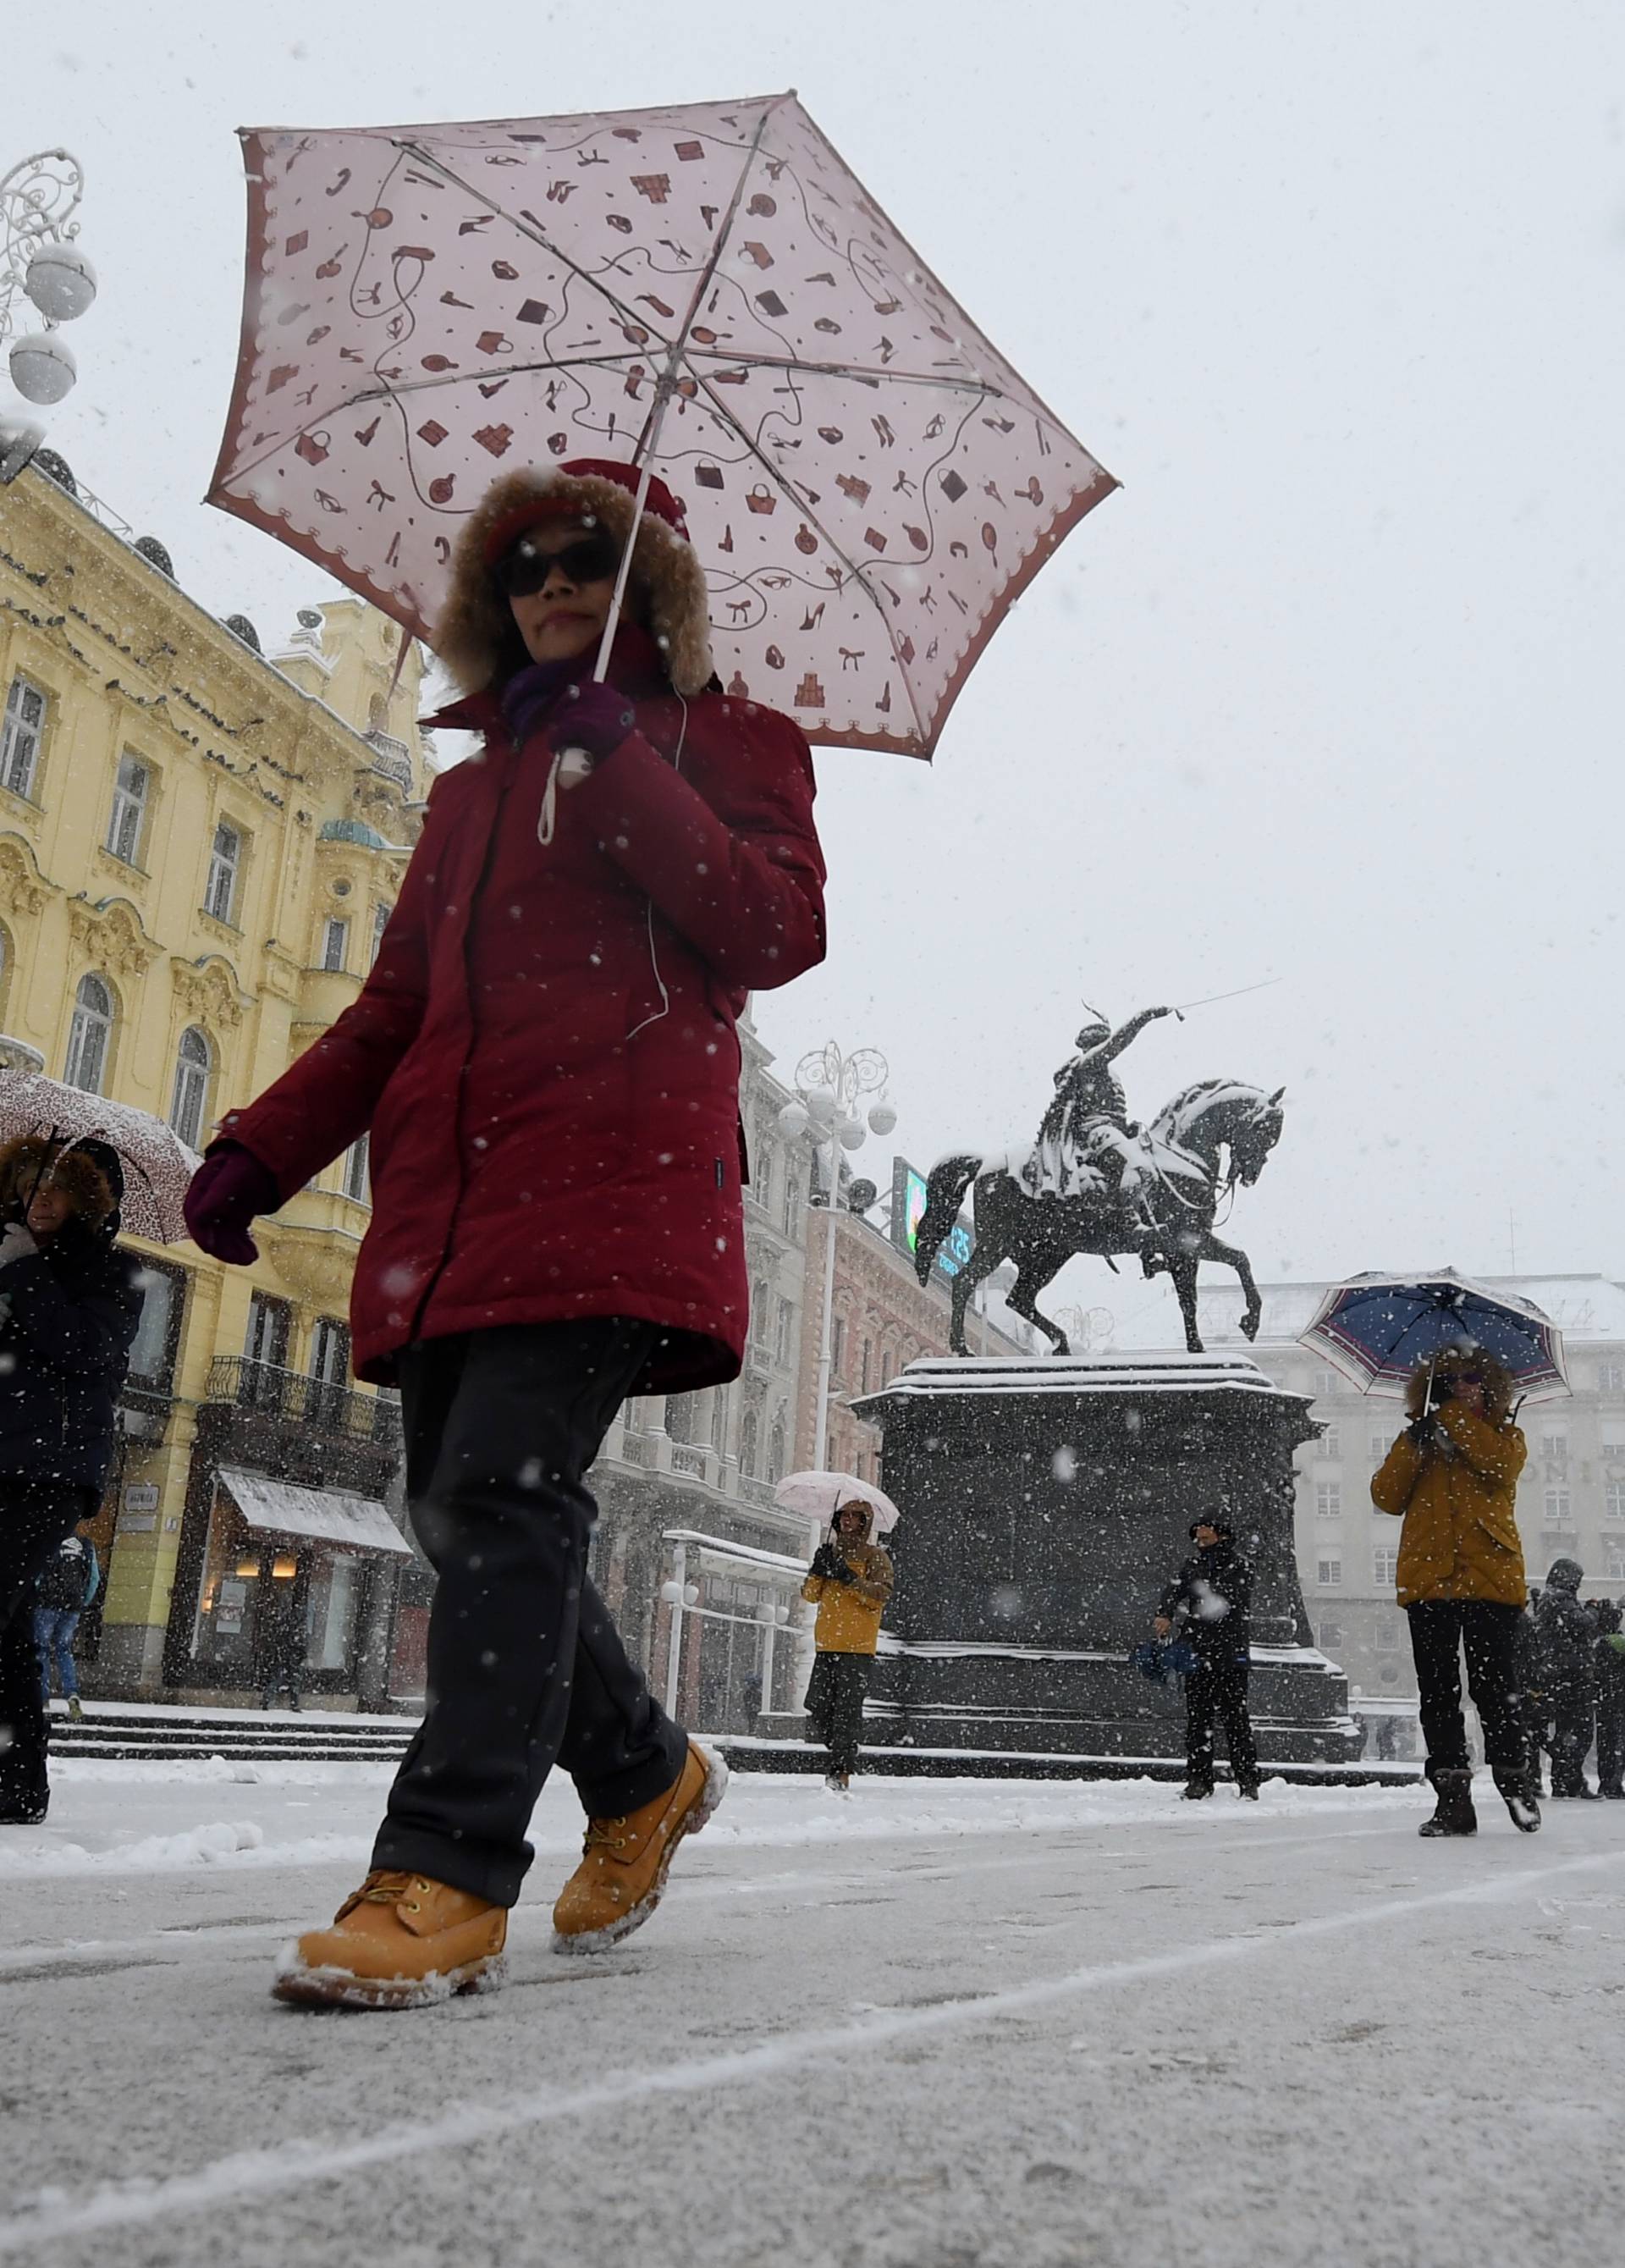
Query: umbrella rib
859, 373
854, 567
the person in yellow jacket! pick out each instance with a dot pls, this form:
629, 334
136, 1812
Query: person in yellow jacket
1451, 1477
849, 1581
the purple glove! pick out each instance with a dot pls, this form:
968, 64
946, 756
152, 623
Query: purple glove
531, 692
228, 1189
596, 717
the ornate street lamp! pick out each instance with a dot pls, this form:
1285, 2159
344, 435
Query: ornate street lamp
42, 264
830, 1088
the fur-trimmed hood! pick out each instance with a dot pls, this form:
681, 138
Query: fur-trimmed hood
1432, 1372
34, 1157
476, 637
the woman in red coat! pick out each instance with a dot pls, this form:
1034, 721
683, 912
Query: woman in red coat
546, 1056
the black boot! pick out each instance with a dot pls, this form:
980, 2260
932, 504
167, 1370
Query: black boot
1195, 1790
1519, 1794
1453, 1814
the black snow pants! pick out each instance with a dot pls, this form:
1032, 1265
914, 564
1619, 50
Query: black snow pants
1441, 1631
1216, 1687
34, 1517
525, 1666
1574, 1724
836, 1694
1611, 1746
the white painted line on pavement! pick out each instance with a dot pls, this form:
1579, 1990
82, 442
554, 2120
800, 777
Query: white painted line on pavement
298, 2161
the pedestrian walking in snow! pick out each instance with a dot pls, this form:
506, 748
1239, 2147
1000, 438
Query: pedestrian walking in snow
1565, 1646
546, 1056
67, 1582
1610, 1700
849, 1581
1451, 1477
68, 1310
1207, 1605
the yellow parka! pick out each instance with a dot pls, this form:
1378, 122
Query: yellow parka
849, 1614
1459, 1540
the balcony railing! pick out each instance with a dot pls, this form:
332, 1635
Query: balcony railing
334, 1411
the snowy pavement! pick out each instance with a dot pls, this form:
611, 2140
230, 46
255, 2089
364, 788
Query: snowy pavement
948, 2024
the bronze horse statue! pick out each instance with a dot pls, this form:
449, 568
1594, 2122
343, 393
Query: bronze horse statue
1183, 1182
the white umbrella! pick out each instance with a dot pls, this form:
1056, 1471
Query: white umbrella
818, 1494
158, 1163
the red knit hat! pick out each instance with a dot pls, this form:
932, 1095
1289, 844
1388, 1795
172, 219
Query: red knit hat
659, 502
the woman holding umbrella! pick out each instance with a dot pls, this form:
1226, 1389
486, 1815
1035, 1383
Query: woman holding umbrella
850, 1582
1449, 1476
544, 1055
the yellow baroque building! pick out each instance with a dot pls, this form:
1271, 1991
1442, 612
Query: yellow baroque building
198, 847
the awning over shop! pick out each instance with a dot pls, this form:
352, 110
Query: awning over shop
278, 1508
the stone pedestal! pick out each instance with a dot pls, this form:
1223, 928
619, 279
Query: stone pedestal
1045, 1505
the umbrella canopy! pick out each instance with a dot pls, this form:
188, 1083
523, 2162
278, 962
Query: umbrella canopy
818, 1494
1377, 1329
708, 289
158, 1163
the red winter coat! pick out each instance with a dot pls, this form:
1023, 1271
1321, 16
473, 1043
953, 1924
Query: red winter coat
553, 1134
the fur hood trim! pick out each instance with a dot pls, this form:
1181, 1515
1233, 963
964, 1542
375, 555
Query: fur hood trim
33, 1157
1498, 1387
475, 637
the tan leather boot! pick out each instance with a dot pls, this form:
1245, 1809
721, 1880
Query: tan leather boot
624, 1863
400, 1941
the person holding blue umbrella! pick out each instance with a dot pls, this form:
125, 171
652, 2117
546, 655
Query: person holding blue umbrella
1450, 1476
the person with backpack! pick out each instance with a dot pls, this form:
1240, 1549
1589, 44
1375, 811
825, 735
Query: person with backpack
1566, 1637
1450, 1476
69, 1580
1208, 1604
69, 1308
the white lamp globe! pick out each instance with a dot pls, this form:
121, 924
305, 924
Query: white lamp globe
766, 1614
882, 1118
821, 1107
851, 1133
781, 1615
691, 1595
61, 282
43, 368
672, 1593
793, 1121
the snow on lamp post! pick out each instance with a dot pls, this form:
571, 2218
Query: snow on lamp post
42, 264
830, 1088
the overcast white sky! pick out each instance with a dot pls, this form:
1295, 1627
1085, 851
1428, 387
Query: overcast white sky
1329, 693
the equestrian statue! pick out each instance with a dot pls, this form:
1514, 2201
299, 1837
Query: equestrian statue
1095, 1182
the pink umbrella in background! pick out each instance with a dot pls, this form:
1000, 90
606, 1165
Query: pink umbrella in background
706, 291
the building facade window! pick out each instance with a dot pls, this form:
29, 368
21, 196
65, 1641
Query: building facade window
20, 736
357, 1185
128, 820
1616, 1560
775, 1449
1329, 1574
719, 1418
680, 1416
1554, 1507
1328, 1500
785, 1339
789, 1203
747, 1443
1330, 1443
1610, 1378
837, 1345
1555, 1449
1380, 1445
1330, 1634
158, 1335
1613, 1499
90, 1036
1385, 1560
225, 859
380, 923
188, 1108
334, 942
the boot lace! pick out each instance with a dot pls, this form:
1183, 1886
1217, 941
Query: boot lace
605, 1835
388, 1890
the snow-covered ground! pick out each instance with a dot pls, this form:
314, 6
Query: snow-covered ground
944, 2023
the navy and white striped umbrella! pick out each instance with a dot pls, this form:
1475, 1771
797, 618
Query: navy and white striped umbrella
1377, 1329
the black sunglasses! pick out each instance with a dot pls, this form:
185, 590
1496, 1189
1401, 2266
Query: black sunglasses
590, 558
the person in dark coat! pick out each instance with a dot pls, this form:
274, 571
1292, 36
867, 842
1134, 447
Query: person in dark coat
545, 1054
1566, 1637
1610, 1676
67, 1583
69, 1307
280, 1641
1207, 1605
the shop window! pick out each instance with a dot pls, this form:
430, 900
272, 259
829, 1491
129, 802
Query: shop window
189, 1108
333, 1595
20, 736
90, 1037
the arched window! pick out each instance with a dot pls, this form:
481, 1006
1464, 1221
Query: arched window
90, 1037
188, 1110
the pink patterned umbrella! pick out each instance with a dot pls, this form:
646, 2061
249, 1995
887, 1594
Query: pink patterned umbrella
707, 290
